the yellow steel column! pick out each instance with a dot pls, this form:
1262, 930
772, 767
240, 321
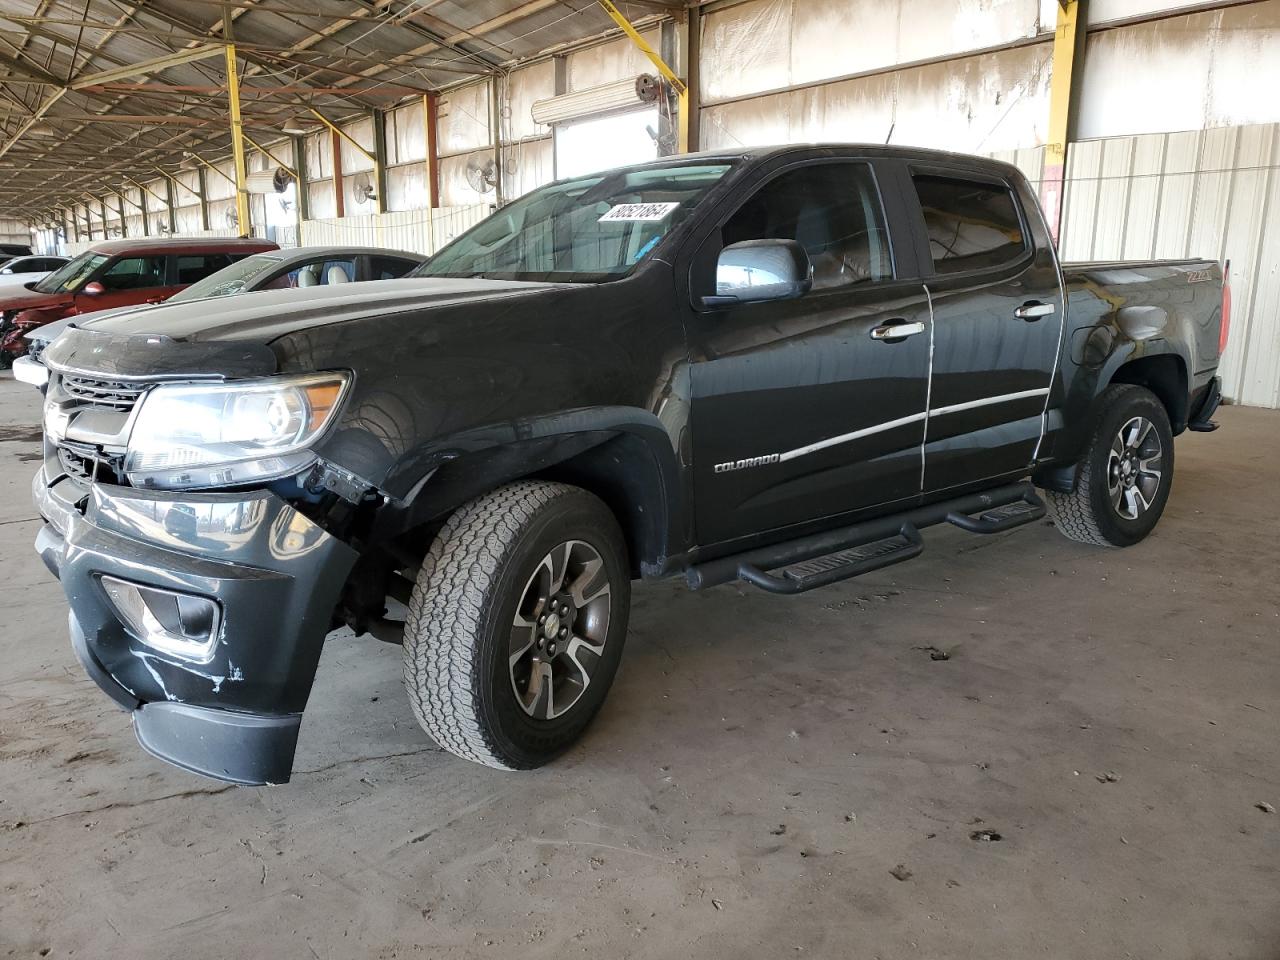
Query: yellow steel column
1066, 37
237, 128
678, 85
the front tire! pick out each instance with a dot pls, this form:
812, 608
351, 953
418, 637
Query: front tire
1123, 480
516, 624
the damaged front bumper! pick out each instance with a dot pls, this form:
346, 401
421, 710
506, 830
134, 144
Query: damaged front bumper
274, 577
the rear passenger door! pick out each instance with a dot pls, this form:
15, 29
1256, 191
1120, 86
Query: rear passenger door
808, 408
997, 323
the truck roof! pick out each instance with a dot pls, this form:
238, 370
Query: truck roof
184, 245
924, 154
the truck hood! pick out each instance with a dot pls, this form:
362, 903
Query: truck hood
231, 336
19, 298
264, 316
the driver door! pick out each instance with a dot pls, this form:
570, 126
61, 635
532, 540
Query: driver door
126, 281
806, 408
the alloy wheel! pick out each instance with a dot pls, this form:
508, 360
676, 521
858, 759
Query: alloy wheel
1133, 468
559, 630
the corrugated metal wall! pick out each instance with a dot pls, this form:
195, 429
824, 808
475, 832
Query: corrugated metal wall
421, 231
1202, 193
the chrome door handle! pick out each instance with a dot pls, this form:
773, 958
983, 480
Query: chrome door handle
896, 330
1033, 310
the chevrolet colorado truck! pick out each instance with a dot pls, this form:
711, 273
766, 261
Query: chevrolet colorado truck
775, 366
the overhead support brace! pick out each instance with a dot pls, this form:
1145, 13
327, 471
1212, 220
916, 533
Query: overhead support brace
209, 166
202, 52
1068, 47
337, 155
271, 156
679, 86
237, 129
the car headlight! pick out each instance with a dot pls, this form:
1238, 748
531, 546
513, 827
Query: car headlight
216, 435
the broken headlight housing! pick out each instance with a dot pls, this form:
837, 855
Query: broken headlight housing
190, 435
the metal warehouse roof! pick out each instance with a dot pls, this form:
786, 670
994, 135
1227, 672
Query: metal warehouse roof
91, 88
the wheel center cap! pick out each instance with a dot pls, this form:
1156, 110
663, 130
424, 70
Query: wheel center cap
552, 626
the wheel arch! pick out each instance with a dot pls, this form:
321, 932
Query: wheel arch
625, 457
1156, 366
1165, 375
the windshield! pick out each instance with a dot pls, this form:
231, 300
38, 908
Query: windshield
229, 280
68, 277
586, 229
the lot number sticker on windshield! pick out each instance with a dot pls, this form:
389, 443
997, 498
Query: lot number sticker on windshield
633, 212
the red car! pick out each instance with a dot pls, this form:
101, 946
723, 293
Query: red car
115, 273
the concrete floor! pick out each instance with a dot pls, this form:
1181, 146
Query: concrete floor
771, 777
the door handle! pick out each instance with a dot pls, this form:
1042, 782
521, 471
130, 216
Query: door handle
1033, 310
896, 330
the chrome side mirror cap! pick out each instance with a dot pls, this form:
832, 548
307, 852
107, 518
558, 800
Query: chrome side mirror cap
754, 271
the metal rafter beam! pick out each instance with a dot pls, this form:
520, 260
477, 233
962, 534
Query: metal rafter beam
154, 65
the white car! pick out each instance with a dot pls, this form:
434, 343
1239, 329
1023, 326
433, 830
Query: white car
16, 272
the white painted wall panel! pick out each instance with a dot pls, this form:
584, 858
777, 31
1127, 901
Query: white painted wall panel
611, 61
530, 164
524, 88
406, 133
980, 104
1183, 73
353, 161
771, 44
463, 122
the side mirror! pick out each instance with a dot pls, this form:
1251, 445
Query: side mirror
6, 270
93, 288
758, 270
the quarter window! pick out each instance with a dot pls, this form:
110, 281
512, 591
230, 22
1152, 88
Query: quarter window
830, 209
971, 225
197, 266
388, 268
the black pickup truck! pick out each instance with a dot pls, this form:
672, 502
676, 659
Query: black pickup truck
772, 365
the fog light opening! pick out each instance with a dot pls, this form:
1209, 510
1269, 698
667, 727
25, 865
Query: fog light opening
181, 624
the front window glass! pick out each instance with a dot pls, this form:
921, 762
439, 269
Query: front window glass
227, 281
586, 229
830, 209
134, 273
71, 276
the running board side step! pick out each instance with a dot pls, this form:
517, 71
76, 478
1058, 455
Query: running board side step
820, 559
834, 567
999, 519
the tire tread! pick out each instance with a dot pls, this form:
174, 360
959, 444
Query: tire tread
1073, 513
446, 615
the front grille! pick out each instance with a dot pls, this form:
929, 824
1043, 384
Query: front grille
86, 462
113, 394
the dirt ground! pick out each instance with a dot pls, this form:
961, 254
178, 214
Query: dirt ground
1015, 746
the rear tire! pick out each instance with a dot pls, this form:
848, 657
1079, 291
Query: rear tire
1126, 473
516, 624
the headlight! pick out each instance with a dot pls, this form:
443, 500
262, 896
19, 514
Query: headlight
217, 435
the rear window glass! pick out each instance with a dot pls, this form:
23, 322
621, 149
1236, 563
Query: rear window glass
971, 225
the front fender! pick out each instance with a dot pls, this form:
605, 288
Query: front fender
624, 455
